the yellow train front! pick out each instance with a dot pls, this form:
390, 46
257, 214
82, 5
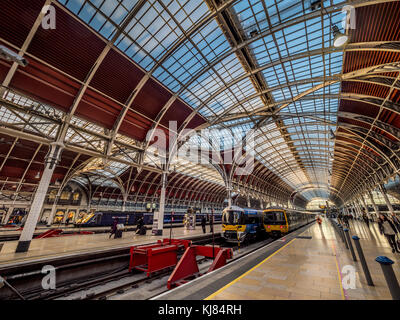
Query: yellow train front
280, 221
241, 224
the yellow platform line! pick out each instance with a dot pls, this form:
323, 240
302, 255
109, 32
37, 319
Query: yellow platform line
338, 272
247, 272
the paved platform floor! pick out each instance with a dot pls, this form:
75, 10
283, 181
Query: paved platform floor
77, 244
315, 269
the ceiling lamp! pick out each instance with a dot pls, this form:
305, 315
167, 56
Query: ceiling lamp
339, 39
332, 134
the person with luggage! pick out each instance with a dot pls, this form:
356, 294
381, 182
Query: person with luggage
387, 228
203, 223
114, 228
365, 217
346, 220
140, 225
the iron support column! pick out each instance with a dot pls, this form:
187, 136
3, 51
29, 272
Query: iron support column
160, 217
8, 215
389, 205
51, 160
373, 203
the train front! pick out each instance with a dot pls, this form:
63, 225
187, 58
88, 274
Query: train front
233, 229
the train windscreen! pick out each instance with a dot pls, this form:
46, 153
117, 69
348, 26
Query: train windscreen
274, 217
231, 217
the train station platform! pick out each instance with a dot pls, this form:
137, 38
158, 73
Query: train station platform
55, 247
308, 264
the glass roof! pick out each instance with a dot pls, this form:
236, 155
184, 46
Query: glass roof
281, 58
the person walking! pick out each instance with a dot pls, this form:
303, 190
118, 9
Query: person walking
139, 225
203, 223
340, 218
396, 221
387, 228
114, 228
365, 217
211, 223
346, 220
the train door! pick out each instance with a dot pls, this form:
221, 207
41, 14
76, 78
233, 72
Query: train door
59, 217
98, 218
70, 217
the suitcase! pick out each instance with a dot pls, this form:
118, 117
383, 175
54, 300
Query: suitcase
142, 231
118, 234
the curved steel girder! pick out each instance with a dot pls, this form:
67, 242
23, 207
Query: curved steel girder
378, 79
321, 148
259, 172
182, 178
150, 184
350, 47
345, 167
290, 134
359, 169
263, 174
389, 105
341, 173
138, 193
193, 187
354, 135
329, 80
255, 38
349, 147
344, 156
387, 128
357, 142
387, 67
251, 185
255, 179
392, 147
355, 188
328, 188
202, 190
365, 182
197, 185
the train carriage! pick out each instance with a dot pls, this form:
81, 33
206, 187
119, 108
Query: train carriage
280, 221
106, 218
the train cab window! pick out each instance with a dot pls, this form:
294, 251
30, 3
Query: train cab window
274, 217
232, 217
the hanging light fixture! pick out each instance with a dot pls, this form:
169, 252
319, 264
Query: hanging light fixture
339, 39
37, 176
332, 134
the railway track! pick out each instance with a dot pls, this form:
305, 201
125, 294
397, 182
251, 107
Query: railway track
117, 282
130, 288
73, 273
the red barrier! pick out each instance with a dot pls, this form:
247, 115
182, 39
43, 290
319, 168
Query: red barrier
58, 233
187, 266
220, 259
49, 234
156, 257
